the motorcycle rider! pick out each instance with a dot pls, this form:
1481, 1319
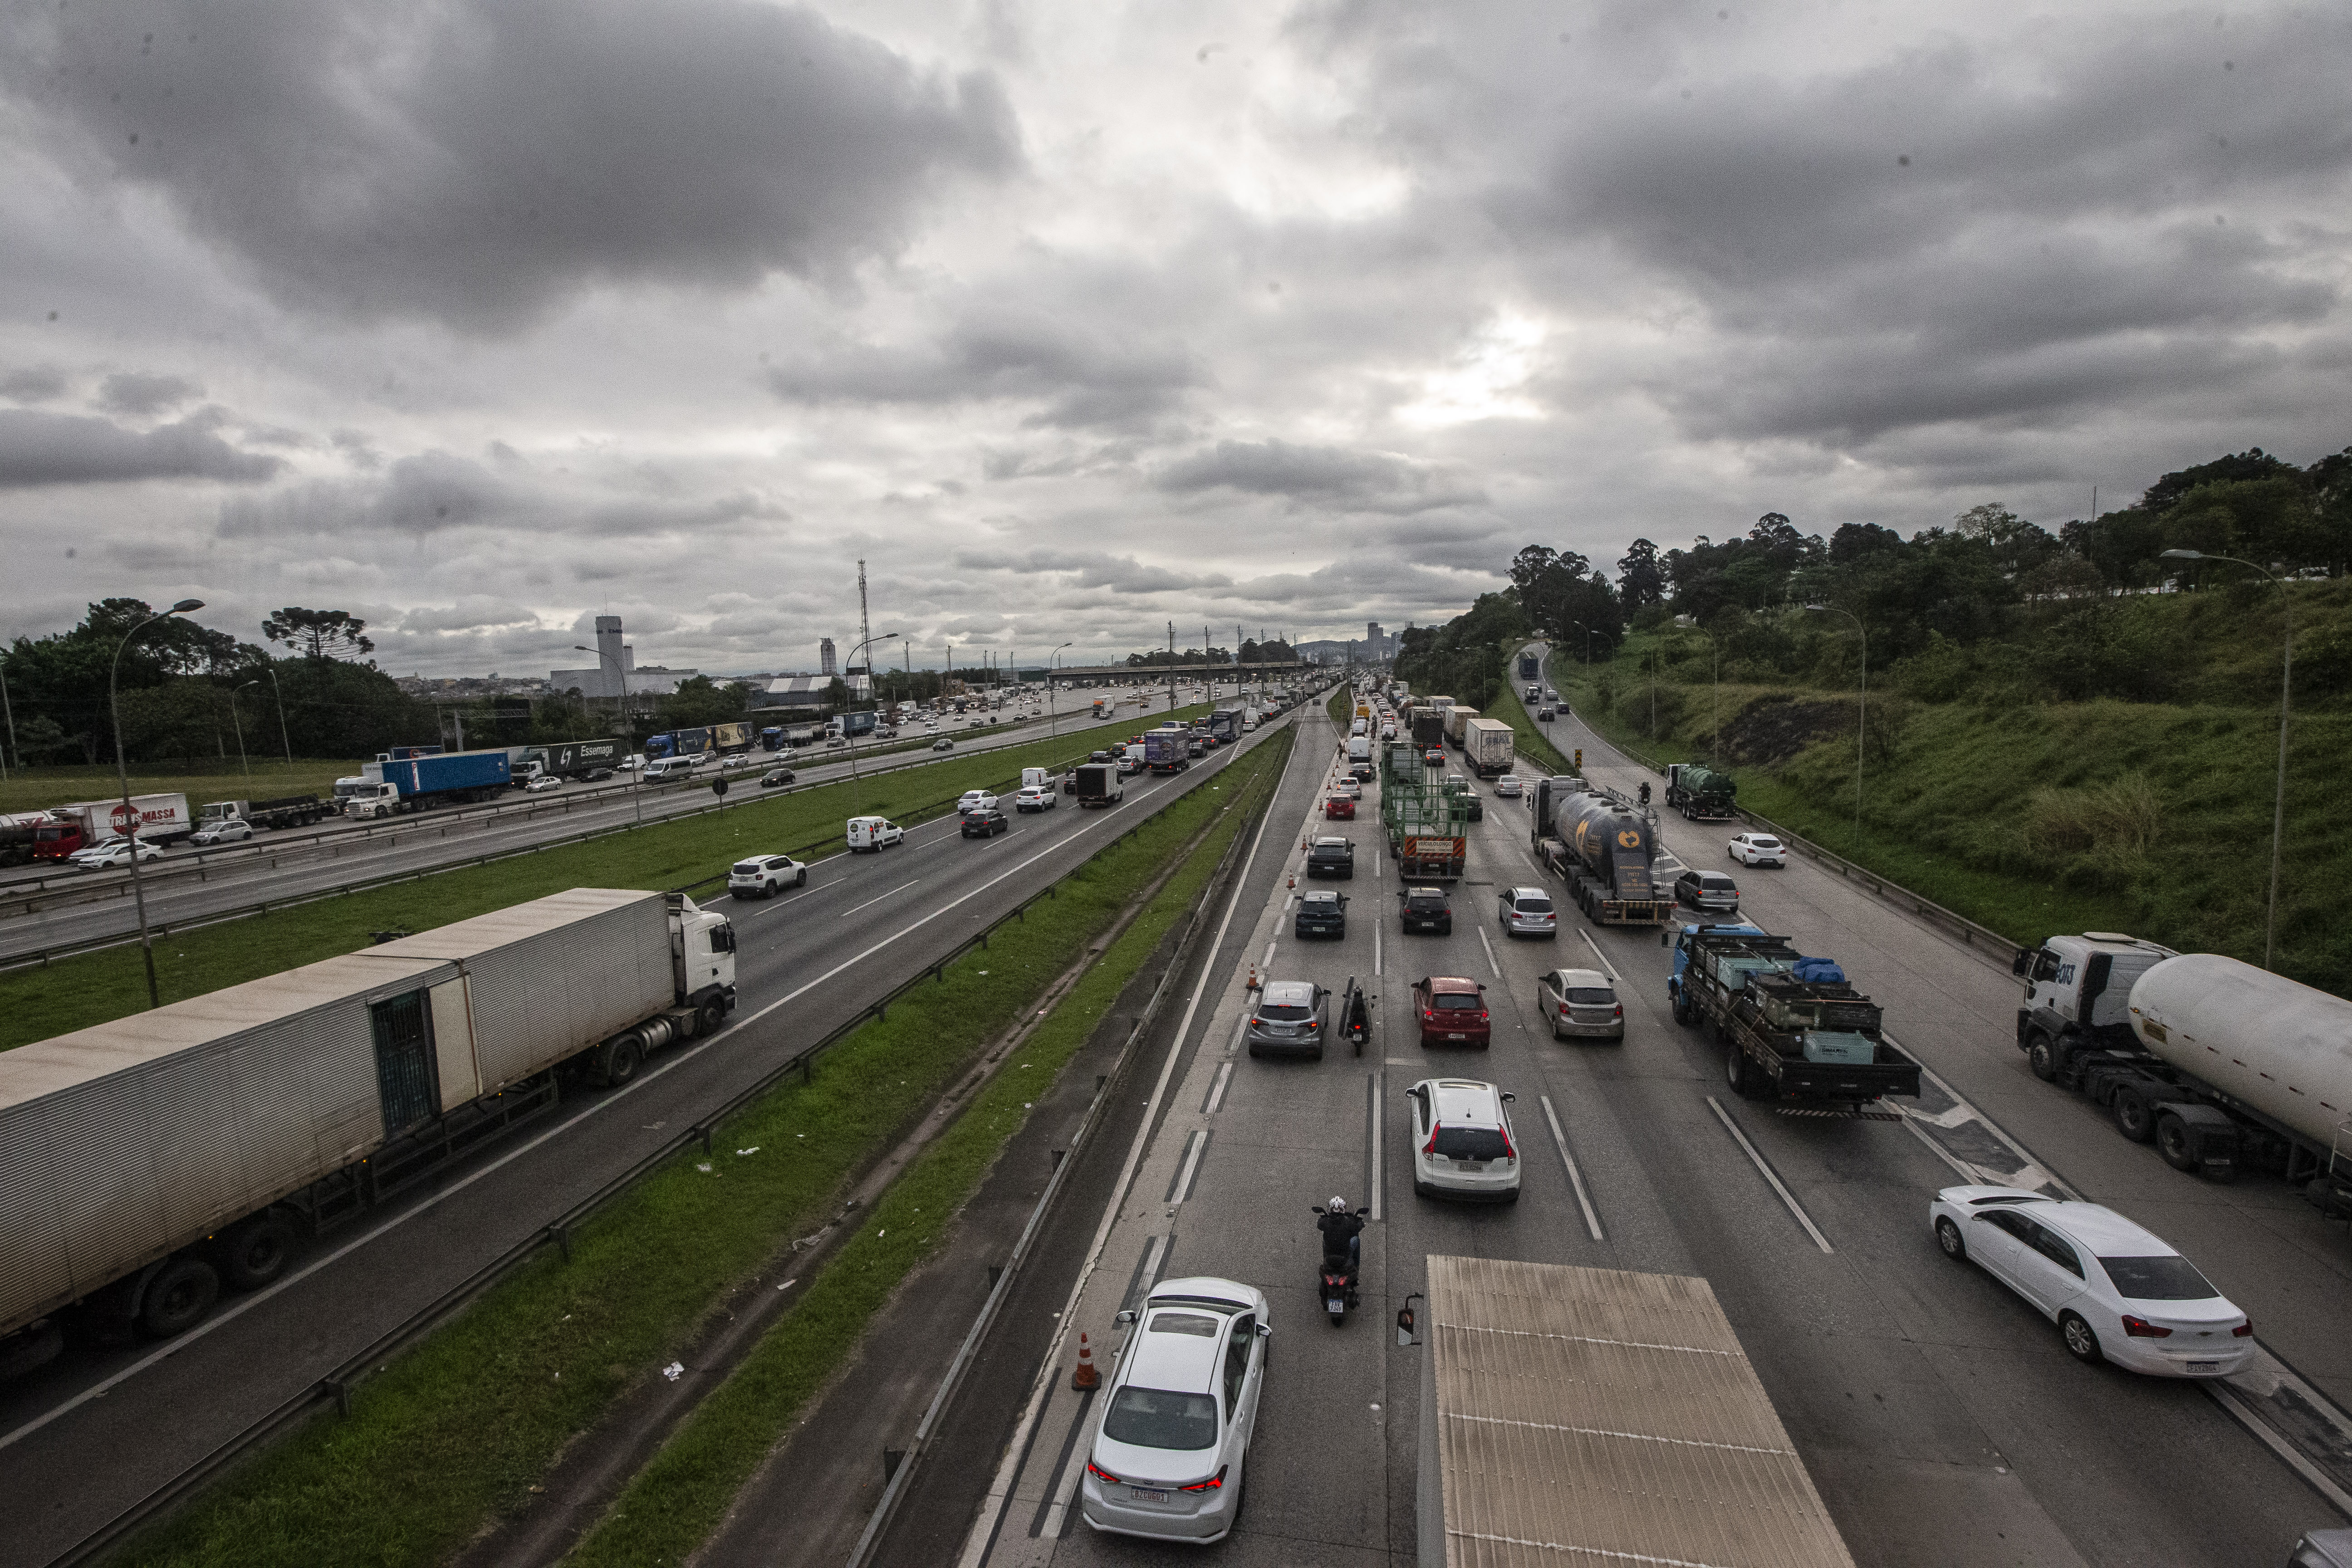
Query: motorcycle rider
1343, 1237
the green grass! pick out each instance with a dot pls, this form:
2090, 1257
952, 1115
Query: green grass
93, 988
455, 1433
38, 789
1342, 706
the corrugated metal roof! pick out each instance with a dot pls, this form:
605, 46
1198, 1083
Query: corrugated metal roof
1592, 1415
86, 1055
483, 934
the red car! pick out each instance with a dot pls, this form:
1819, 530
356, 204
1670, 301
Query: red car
1453, 1012
1340, 805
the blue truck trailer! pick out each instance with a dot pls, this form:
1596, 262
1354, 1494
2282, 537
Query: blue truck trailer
414, 784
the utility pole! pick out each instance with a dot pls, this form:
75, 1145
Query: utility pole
1171, 666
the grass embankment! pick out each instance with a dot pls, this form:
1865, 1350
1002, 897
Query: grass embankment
2034, 817
91, 988
1342, 706
457, 1431
38, 789
1533, 742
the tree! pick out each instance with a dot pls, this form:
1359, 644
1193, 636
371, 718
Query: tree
700, 701
1641, 577
318, 634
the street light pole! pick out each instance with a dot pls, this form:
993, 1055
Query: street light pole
1861, 708
1053, 719
857, 782
283, 737
628, 731
238, 722
122, 777
10, 714
2286, 687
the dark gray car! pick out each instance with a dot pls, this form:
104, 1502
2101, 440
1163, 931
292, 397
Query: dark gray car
1292, 1018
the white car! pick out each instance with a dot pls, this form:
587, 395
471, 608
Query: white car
1036, 798
2115, 1291
761, 876
1508, 786
542, 784
873, 833
1527, 912
114, 857
1758, 849
1166, 1459
976, 800
226, 830
1462, 1143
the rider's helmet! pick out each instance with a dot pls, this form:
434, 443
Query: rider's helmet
1336, 1206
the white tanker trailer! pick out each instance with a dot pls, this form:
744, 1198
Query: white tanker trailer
2218, 1063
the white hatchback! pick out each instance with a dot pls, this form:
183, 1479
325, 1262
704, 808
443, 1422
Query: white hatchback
1462, 1143
1527, 912
2116, 1291
222, 830
1035, 797
1166, 1459
1758, 849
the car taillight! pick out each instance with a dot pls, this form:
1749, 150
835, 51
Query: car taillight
2244, 1330
1618, 1011
1482, 1016
1429, 1148
1429, 1016
1212, 1484
1102, 1475
1563, 1009
1509, 1151
2141, 1329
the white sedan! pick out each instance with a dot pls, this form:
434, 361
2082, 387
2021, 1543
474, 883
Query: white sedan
226, 830
2115, 1291
114, 857
542, 784
1758, 849
1178, 1414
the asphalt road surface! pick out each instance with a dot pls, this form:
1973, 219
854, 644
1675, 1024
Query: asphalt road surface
1939, 1417
92, 1433
434, 838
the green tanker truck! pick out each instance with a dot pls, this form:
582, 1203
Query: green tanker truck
1699, 793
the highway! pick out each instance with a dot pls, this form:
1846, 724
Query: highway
88, 1435
291, 865
1937, 1412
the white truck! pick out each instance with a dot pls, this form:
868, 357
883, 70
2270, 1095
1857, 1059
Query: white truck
1486, 743
145, 1163
161, 818
2220, 1064
1595, 1415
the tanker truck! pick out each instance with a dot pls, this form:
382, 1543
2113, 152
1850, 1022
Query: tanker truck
1603, 848
2220, 1065
1699, 793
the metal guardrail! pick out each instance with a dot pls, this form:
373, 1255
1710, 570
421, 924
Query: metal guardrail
336, 1387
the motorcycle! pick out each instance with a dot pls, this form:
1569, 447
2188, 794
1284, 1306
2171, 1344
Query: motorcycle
1335, 1281
1356, 1013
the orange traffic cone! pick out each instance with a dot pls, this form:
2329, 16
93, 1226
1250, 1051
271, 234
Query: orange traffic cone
1253, 979
1084, 1376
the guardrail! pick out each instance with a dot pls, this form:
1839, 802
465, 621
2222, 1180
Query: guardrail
336, 1387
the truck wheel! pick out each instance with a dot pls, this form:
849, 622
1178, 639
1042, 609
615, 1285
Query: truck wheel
1734, 1069
2133, 1118
2041, 1058
622, 1058
1682, 1009
2172, 1142
256, 1252
2080, 1342
31, 1350
1947, 1237
178, 1297
712, 1015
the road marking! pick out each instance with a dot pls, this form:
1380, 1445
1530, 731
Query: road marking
1288, 900
1766, 1170
1268, 961
1575, 1176
1183, 1166
1490, 952
1376, 952
1596, 953
1191, 1170
876, 898
1217, 1089
1374, 1145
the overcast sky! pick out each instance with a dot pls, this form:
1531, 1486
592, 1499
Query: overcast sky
480, 319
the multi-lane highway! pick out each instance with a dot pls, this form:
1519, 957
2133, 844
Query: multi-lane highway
1937, 1412
96, 1431
298, 864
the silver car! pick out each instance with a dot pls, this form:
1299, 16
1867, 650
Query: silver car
1527, 912
1581, 1004
1292, 1018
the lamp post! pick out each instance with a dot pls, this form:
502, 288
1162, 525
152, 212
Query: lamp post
1052, 661
283, 737
2286, 677
247, 768
122, 777
10, 713
628, 731
1715, 649
856, 783
1861, 706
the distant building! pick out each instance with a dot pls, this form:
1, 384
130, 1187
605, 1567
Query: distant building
826, 664
615, 666
807, 690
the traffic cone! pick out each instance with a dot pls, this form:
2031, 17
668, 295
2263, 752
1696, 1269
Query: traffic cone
1084, 1376
1294, 880
1253, 979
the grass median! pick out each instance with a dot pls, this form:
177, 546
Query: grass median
94, 987
458, 1430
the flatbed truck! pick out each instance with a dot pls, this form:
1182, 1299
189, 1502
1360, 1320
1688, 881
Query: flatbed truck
1790, 1028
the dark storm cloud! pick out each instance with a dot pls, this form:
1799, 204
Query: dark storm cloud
70, 450
139, 397
33, 384
1331, 477
478, 163
1079, 376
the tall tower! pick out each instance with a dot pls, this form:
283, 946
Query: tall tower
865, 631
827, 661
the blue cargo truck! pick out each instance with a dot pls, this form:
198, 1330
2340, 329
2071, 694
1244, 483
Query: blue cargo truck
413, 783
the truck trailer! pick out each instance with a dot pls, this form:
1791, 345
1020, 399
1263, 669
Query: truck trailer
1576, 1415
285, 811
571, 759
1457, 722
417, 783
1098, 784
1487, 744
146, 1162
1164, 750
1530, 667
159, 818
1790, 1027
1604, 848
1701, 794
1225, 725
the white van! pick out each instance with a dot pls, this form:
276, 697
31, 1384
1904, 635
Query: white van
873, 833
662, 768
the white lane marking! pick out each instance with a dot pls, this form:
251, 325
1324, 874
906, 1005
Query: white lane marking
1376, 952
1288, 900
1597, 953
1575, 1176
1192, 1165
1490, 952
876, 898
1217, 1089
1757, 1159
1374, 1084
1268, 963
1962, 1110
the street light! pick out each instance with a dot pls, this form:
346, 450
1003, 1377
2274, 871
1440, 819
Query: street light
239, 723
11, 715
1861, 708
856, 783
2286, 677
1690, 623
1052, 660
628, 731
122, 777
283, 739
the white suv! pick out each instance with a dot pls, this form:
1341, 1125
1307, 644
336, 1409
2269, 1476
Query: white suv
1527, 912
1462, 1143
761, 876
1166, 1459
1758, 849
1035, 797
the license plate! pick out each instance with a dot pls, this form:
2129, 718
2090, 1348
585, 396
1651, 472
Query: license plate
1472, 1167
1149, 1494
2204, 1366
1457, 1036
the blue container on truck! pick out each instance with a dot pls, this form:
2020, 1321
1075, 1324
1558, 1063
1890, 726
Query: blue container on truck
1164, 751
447, 771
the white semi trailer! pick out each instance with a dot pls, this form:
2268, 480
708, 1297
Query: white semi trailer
2218, 1063
147, 1162
1487, 744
